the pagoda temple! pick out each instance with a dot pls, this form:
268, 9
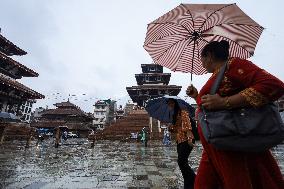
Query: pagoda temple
66, 114
152, 83
13, 94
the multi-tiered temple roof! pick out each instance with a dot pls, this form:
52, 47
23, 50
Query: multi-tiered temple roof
14, 69
12, 92
151, 83
65, 111
8, 48
65, 114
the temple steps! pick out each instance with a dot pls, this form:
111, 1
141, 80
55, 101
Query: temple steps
132, 123
16, 131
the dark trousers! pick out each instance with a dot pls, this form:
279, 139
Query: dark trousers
145, 143
183, 150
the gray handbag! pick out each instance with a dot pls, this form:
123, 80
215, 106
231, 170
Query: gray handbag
244, 129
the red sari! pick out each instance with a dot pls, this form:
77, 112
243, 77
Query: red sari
239, 170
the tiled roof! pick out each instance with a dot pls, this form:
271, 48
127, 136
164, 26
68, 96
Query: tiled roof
27, 72
153, 74
146, 87
65, 104
10, 48
16, 85
62, 111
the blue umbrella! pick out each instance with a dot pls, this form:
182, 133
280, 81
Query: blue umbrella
158, 108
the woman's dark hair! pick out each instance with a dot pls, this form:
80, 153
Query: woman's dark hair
220, 50
176, 111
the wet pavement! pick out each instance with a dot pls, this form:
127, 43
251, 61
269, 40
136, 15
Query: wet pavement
110, 164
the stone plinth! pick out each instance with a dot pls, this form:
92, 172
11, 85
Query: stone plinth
132, 123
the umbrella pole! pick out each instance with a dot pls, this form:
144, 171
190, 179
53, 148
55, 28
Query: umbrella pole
194, 42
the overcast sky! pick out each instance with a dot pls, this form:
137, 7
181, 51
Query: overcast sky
92, 48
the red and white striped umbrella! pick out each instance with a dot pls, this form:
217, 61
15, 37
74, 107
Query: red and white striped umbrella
175, 40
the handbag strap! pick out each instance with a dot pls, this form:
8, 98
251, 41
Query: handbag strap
216, 83
218, 80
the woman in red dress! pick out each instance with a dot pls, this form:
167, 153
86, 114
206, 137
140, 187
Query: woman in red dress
244, 84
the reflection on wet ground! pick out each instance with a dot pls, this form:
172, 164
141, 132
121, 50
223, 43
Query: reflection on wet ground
111, 164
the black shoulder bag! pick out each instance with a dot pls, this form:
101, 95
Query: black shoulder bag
247, 129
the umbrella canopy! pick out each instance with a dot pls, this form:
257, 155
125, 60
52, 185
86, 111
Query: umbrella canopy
158, 108
175, 40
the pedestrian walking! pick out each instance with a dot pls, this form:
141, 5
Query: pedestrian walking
181, 127
167, 137
243, 85
144, 136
